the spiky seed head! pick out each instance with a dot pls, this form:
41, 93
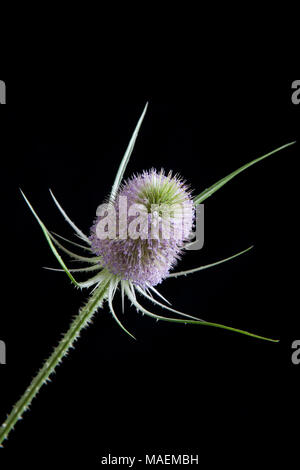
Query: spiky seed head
140, 235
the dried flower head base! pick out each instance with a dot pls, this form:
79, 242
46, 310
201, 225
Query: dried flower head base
134, 264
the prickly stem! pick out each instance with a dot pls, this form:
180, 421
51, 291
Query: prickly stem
80, 321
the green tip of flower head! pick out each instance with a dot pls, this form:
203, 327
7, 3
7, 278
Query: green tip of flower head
154, 187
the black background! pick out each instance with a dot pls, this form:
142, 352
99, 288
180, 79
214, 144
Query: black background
177, 388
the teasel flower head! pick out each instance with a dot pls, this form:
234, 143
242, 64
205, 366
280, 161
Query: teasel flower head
152, 220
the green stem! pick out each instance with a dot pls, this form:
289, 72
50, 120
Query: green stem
81, 320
